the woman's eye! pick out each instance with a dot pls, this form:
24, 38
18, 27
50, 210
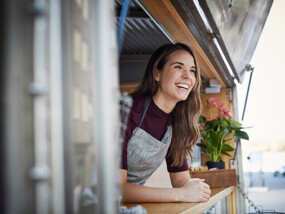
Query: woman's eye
193, 71
178, 66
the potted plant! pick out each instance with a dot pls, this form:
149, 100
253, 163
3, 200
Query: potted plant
217, 132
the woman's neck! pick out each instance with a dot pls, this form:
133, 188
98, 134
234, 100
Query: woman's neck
164, 104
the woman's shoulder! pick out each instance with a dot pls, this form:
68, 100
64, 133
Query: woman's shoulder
136, 109
138, 102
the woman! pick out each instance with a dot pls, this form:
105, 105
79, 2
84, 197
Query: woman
163, 123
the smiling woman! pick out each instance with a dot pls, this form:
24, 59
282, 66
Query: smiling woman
176, 79
163, 124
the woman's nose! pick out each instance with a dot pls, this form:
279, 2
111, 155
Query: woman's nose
186, 74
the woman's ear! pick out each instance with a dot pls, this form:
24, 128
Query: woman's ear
157, 75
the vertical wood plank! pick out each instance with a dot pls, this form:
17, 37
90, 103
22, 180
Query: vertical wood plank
233, 202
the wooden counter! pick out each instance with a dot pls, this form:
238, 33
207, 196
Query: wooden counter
173, 208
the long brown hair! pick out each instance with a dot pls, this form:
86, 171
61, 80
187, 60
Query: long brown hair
185, 114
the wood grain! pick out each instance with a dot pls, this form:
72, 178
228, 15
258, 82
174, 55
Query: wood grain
128, 87
174, 208
217, 178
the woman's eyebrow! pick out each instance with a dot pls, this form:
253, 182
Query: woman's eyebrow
180, 63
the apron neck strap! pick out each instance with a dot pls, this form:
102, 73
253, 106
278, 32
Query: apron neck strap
146, 105
169, 120
145, 108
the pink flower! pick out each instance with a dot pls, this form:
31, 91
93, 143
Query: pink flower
229, 114
221, 107
208, 119
226, 110
222, 116
213, 100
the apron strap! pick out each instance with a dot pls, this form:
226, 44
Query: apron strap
146, 105
145, 108
169, 120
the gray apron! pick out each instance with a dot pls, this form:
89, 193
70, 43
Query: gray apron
145, 153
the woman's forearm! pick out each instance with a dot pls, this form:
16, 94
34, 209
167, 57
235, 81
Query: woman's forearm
194, 190
137, 193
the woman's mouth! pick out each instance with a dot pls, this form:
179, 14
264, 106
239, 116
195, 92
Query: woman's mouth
182, 85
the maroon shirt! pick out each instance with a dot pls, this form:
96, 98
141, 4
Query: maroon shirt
154, 123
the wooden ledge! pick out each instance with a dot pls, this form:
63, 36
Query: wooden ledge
174, 208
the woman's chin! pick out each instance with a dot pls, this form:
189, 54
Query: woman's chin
181, 98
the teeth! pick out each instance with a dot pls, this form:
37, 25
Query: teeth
181, 85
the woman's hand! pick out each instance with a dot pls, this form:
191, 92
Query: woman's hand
195, 190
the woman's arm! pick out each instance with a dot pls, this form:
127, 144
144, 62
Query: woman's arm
178, 179
138, 193
193, 190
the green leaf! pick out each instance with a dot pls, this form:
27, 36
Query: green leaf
225, 133
202, 119
227, 147
225, 153
212, 124
234, 123
227, 140
202, 145
215, 139
224, 123
241, 135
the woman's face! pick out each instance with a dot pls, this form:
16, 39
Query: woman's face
177, 78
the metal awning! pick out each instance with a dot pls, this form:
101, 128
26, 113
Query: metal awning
223, 34
238, 26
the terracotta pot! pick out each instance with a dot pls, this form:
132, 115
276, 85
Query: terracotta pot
219, 165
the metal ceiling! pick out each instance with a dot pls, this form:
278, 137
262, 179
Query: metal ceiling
142, 36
